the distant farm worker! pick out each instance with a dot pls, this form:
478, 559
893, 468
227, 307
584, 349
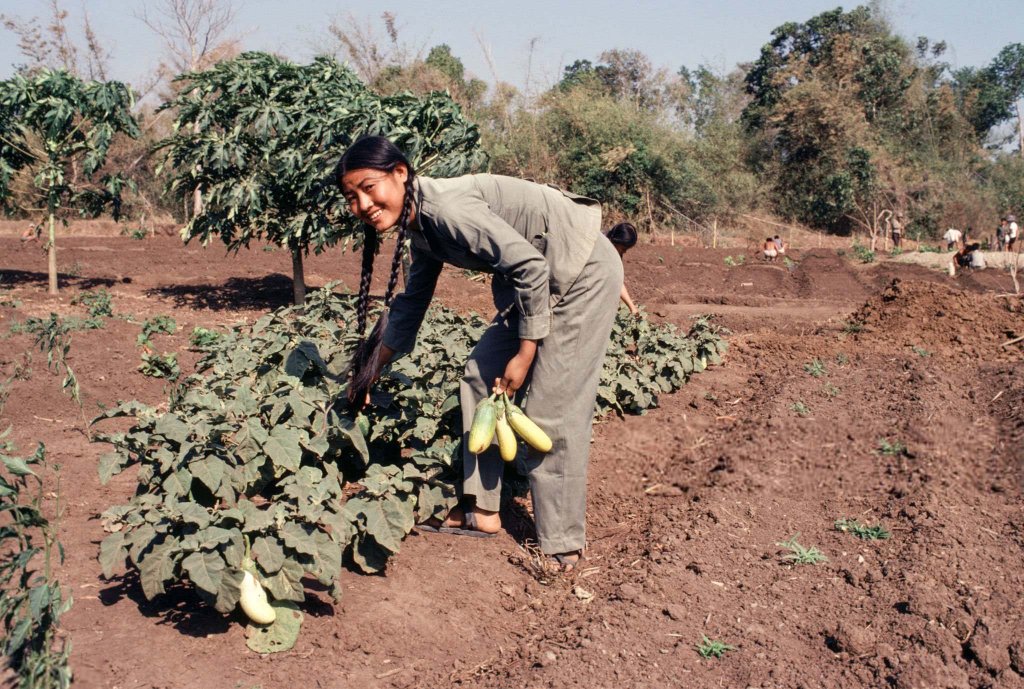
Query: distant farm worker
771, 251
977, 258
968, 256
1012, 232
780, 246
623, 237
952, 238
897, 229
556, 286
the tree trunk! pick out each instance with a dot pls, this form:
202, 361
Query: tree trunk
51, 254
1020, 129
298, 278
197, 195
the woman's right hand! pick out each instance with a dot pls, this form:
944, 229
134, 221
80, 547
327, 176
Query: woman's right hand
385, 356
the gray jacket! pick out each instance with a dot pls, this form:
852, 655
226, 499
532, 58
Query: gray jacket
537, 238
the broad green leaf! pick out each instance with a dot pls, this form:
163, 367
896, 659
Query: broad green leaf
112, 554
155, 569
283, 448
298, 538
230, 590
278, 636
268, 553
205, 570
287, 583
209, 470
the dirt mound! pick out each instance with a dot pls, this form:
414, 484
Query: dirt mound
940, 319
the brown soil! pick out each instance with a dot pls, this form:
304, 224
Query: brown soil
687, 503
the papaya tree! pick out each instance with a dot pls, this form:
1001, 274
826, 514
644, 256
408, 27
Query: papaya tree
55, 131
260, 136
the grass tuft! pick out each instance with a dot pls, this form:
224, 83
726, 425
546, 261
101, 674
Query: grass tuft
799, 555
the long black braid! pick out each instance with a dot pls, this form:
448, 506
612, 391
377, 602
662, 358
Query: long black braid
376, 153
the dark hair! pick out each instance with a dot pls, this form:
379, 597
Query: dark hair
376, 153
623, 234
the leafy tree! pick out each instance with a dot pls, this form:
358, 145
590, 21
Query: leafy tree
440, 57
260, 136
55, 131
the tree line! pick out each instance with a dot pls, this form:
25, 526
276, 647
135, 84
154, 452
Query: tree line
837, 122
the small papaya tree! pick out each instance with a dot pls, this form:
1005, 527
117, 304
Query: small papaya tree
55, 131
260, 136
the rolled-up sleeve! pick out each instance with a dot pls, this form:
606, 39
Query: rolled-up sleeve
409, 307
492, 240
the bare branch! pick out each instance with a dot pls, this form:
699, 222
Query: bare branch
97, 57
192, 31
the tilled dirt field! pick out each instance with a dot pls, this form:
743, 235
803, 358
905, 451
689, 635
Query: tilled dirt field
877, 392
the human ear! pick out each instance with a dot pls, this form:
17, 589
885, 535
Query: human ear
401, 173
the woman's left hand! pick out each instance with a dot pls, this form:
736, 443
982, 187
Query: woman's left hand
517, 368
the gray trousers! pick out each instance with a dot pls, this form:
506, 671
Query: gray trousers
560, 396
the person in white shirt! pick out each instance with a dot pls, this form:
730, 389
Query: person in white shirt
952, 237
977, 261
1012, 232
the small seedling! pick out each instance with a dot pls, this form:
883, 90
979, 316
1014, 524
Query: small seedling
713, 648
863, 254
921, 351
896, 251
842, 359
154, 325
201, 338
710, 396
160, 366
97, 301
799, 555
737, 261
891, 449
852, 327
269, 247
799, 408
138, 233
788, 262
816, 368
830, 390
75, 271
862, 531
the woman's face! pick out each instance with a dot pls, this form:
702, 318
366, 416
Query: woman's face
375, 196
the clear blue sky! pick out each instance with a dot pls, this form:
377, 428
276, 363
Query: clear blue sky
672, 33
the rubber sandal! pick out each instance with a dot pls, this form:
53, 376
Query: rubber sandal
470, 529
429, 528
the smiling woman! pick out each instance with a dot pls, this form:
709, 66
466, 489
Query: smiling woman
556, 284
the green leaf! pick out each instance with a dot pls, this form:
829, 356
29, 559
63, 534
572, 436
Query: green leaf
283, 448
17, 466
230, 590
155, 569
111, 464
210, 471
268, 553
298, 538
112, 554
205, 570
278, 636
287, 583
172, 428
193, 513
256, 519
